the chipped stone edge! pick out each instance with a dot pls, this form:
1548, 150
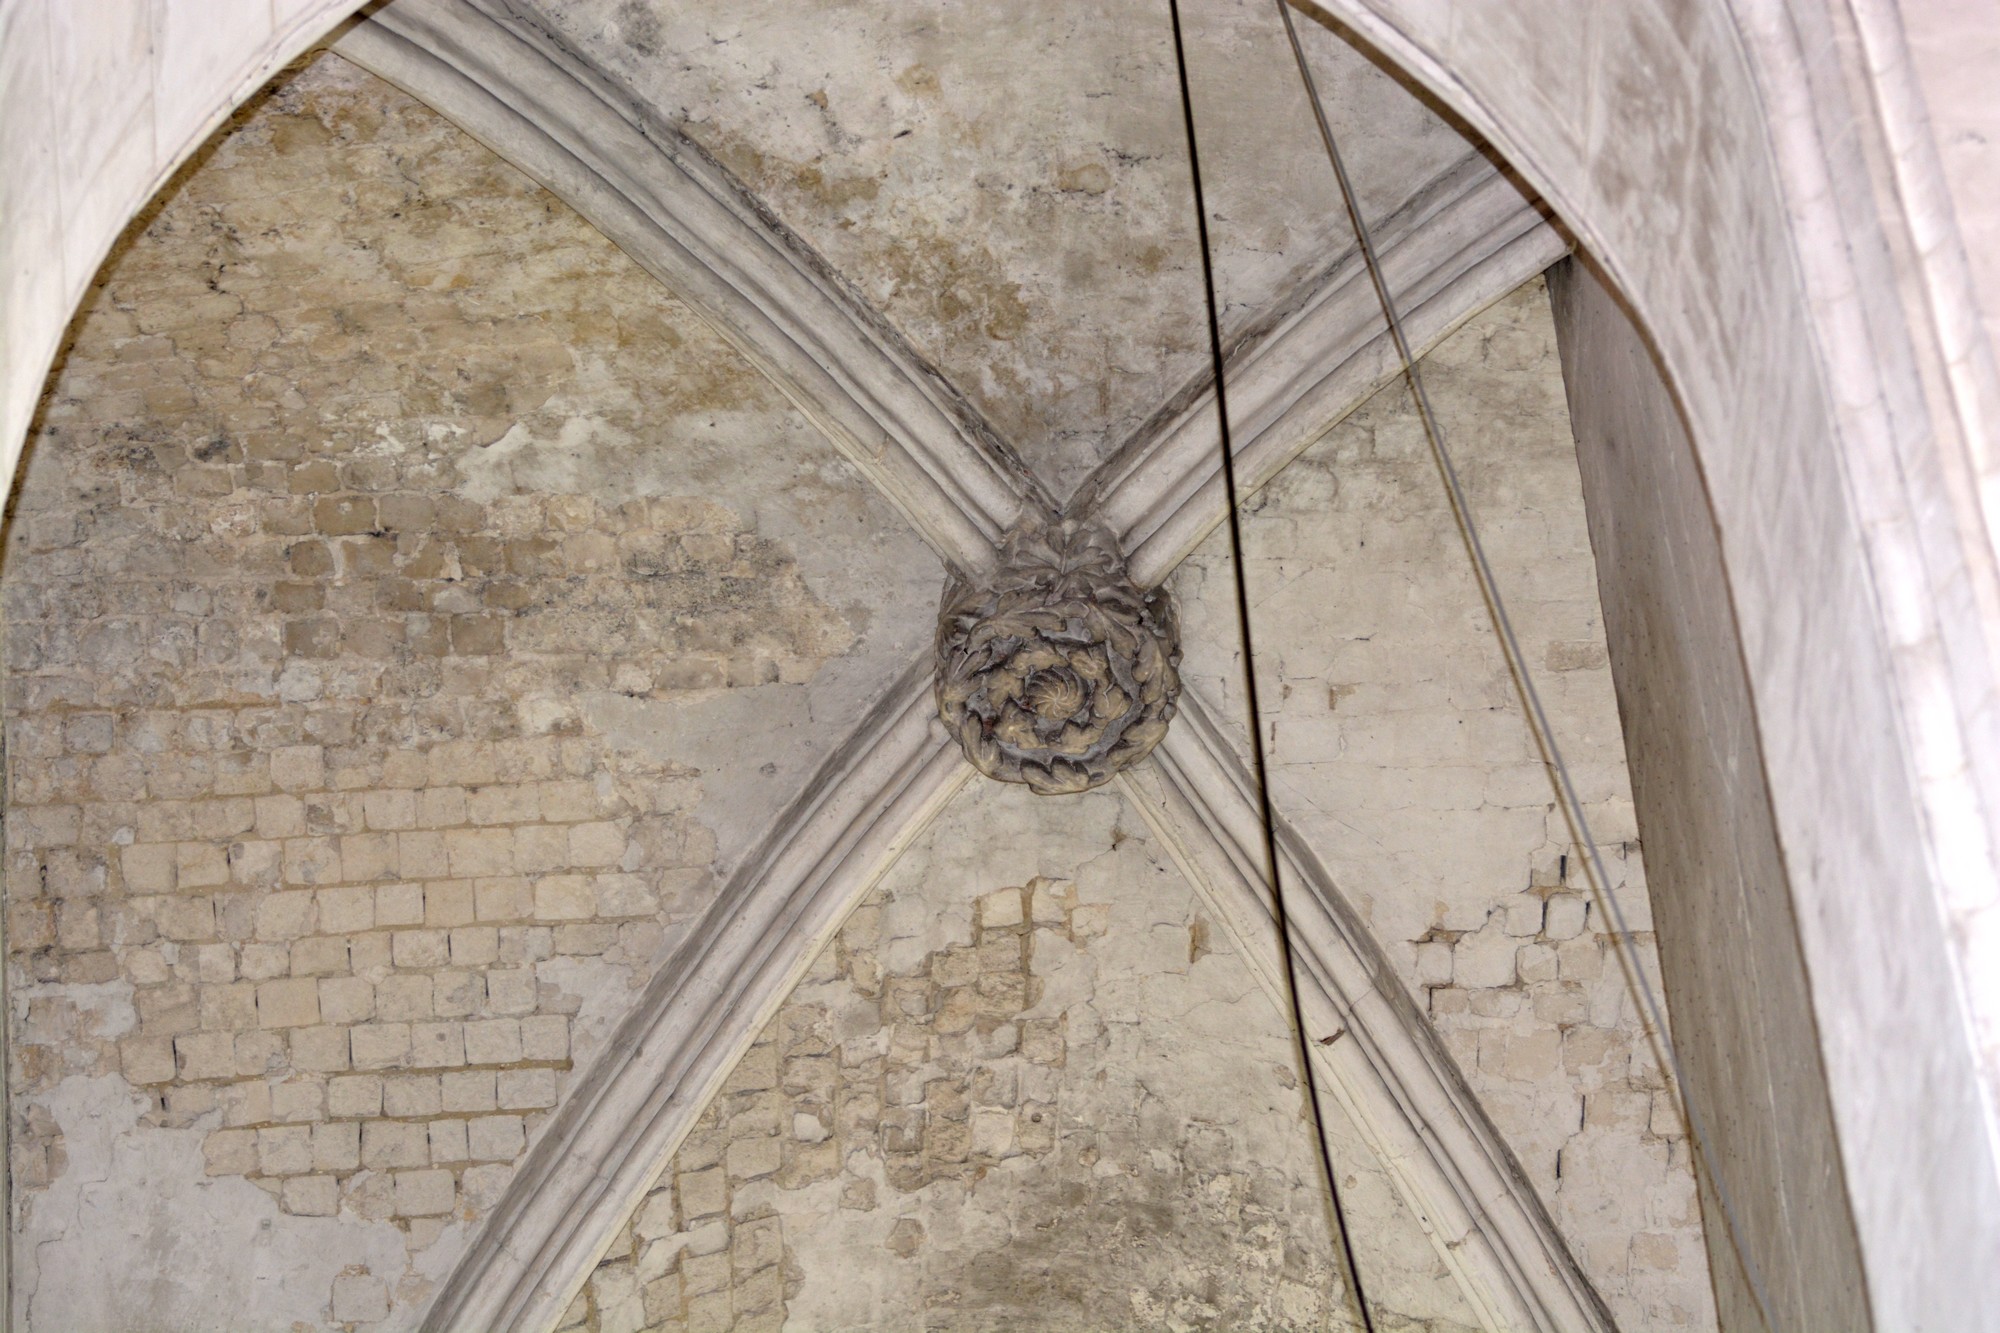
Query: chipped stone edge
683, 221
1392, 1076
622, 1122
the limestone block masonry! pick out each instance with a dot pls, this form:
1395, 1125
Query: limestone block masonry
800, 1097
321, 873
1056, 1102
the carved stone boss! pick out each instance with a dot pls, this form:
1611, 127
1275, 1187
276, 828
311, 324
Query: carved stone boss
1056, 670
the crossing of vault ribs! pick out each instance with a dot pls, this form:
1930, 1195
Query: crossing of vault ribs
1495, 996
1056, 670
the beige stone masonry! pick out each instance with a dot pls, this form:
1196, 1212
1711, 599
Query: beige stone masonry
924, 1071
1061, 1102
308, 840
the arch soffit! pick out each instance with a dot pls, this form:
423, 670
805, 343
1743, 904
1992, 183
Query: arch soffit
104, 102
1798, 280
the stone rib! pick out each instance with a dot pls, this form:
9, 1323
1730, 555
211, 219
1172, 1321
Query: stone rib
623, 1121
1393, 1078
678, 215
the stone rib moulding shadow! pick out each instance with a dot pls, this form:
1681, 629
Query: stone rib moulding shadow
1462, 242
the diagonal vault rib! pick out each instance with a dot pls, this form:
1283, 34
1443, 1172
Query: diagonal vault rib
681, 217
1393, 1078
619, 1125
1464, 242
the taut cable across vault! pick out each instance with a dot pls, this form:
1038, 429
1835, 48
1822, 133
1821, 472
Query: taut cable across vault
1652, 1011
1288, 965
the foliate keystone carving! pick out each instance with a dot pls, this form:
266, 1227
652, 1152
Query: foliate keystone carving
1056, 670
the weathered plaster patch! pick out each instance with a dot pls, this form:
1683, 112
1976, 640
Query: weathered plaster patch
135, 1231
1010, 188
1026, 1085
772, 474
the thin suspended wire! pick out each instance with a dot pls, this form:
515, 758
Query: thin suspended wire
1545, 736
1338, 1216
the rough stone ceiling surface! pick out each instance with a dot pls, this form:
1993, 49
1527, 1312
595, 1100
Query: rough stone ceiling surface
452, 608
1015, 202
1010, 186
1030, 1084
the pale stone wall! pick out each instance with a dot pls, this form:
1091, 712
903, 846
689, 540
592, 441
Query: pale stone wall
1759, 1084
1398, 746
359, 595
105, 99
1755, 183
1029, 1085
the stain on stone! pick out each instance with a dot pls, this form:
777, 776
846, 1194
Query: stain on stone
1083, 178
639, 28
329, 525
906, 1237
919, 81
837, 194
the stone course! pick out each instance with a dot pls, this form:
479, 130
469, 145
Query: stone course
309, 838
1058, 1104
1398, 746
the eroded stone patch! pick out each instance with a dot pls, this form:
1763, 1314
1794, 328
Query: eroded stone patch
943, 1102
331, 548
1061, 1103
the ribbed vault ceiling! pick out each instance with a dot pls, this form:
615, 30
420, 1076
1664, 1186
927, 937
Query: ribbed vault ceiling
968, 254
1010, 187
958, 244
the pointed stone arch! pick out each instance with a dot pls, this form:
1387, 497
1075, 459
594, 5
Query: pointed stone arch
1830, 328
